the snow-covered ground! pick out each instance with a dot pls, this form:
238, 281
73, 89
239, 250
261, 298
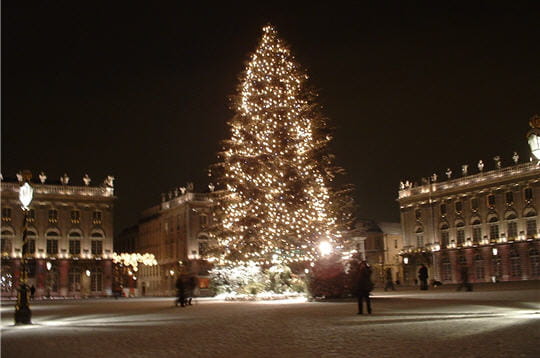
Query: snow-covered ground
405, 323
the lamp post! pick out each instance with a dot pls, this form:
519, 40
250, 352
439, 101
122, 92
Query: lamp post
23, 314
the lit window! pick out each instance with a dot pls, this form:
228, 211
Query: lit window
31, 215
443, 209
74, 247
528, 194
52, 247
493, 232
75, 216
53, 216
97, 247
96, 217
474, 204
445, 236
509, 198
531, 228
6, 246
512, 230
460, 236
6, 215
477, 234
491, 201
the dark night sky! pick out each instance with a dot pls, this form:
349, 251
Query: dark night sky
141, 92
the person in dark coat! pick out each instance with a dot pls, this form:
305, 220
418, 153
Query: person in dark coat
180, 292
364, 287
32, 292
191, 286
423, 276
389, 282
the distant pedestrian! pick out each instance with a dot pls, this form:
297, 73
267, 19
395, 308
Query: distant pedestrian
191, 286
389, 282
32, 292
465, 284
364, 287
180, 292
423, 277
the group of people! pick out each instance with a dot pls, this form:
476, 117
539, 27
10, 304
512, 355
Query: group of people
185, 290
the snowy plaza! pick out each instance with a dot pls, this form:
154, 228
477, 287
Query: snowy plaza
492, 321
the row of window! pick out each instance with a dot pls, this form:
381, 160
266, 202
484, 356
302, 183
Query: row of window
480, 268
494, 233
491, 202
52, 246
75, 216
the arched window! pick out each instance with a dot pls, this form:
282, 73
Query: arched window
493, 221
446, 269
445, 235
97, 235
75, 234
419, 236
476, 223
460, 232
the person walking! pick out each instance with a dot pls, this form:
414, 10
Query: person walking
423, 276
389, 282
180, 292
191, 286
32, 292
364, 287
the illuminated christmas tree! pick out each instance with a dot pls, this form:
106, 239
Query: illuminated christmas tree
277, 206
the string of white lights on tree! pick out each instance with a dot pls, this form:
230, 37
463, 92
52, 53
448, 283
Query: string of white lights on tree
275, 168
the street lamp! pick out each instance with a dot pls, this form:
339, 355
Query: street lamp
23, 314
533, 136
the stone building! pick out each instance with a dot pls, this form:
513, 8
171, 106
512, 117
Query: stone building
174, 231
70, 237
483, 225
381, 243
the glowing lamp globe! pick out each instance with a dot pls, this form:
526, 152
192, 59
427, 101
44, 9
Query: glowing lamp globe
533, 136
325, 248
25, 195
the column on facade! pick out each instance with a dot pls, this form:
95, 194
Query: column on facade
63, 277
107, 277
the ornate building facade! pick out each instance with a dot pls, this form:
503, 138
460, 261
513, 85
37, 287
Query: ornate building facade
70, 238
483, 225
175, 232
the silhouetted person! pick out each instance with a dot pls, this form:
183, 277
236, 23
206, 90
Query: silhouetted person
389, 282
364, 287
32, 292
423, 276
465, 280
180, 292
191, 286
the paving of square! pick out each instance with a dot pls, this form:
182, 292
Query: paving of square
488, 322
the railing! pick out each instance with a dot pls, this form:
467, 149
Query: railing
497, 174
62, 189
